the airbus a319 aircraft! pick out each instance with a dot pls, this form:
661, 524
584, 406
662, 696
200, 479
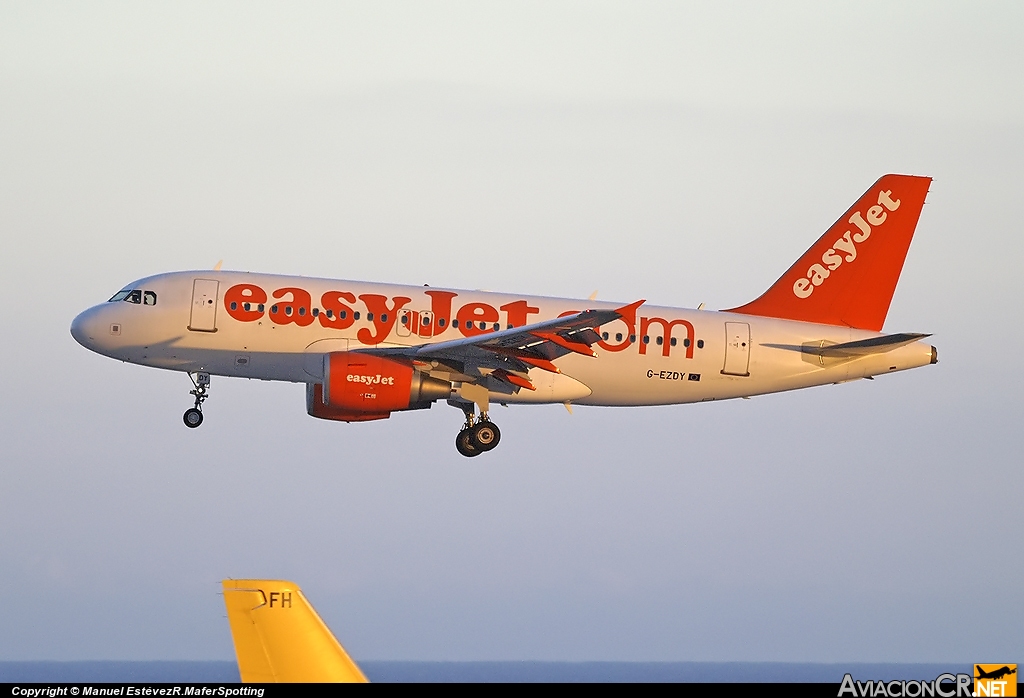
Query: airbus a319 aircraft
365, 350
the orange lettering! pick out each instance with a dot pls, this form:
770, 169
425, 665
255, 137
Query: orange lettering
236, 298
629, 317
667, 328
472, 314
519, 312
342, 314
384, 318
296, 309
441, 307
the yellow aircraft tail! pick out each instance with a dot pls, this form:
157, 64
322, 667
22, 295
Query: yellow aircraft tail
279, 638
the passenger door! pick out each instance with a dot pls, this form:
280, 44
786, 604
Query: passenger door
204, 306
737, 349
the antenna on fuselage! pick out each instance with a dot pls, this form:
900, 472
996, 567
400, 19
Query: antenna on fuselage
216, 267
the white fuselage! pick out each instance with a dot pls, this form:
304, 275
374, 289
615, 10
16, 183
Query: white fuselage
666, 356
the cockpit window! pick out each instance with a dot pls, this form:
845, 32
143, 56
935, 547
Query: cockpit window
134, 295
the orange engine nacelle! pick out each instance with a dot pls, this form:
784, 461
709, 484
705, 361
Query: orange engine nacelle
359, 387
315, 407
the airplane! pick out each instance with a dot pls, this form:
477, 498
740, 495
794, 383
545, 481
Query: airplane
366, 350
280, 638
995, 674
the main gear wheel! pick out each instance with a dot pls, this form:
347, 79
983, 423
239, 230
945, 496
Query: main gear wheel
464, 443
485, 435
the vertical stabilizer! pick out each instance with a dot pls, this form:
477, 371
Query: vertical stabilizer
849, 275
279, 638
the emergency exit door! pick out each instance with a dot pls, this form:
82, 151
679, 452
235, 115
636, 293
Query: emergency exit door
737, 349
204, 306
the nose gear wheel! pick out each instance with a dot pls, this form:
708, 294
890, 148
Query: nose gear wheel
193, 416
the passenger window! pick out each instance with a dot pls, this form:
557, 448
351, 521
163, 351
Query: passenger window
659, 341
686, 342
246, 306
673, 342
383, 317
273, 309
604, 336
618, 336
234, 305
287, 310
302, 310
330, 313
369, 317
149, 298
700, 343
455, 324
440, 322
316, 312
259, 307
135, 297
632, 338
647, 339
355, 315
497, 326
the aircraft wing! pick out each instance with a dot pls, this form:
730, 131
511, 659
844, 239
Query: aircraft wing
502, 360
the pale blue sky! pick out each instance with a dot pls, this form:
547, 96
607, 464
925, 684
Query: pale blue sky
680, 153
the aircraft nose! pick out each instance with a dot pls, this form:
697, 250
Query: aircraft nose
84, 328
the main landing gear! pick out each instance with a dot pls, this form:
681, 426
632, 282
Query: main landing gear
193, 416
477, 437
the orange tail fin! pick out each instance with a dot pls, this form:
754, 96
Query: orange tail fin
849, 275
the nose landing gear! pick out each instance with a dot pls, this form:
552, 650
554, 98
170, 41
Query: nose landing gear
477, 436
193, 416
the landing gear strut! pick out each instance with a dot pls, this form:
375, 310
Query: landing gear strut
193, 416
477, 436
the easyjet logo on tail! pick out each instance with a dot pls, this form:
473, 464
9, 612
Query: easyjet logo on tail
845, 248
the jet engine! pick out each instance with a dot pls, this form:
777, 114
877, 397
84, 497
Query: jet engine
361, 387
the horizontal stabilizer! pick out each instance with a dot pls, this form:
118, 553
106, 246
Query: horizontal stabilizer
875, 345
852, 350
